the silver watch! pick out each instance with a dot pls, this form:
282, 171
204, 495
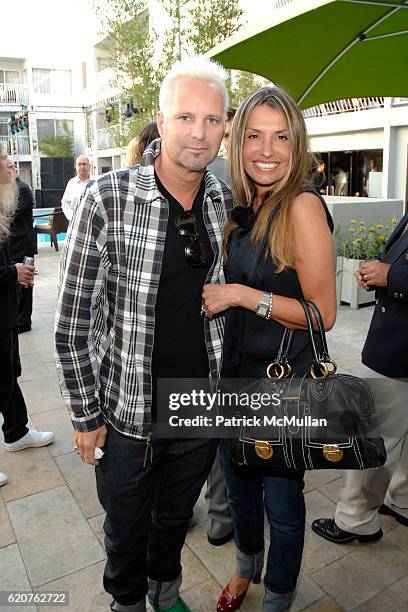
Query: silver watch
262, 309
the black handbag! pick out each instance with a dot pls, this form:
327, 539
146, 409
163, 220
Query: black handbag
301, 440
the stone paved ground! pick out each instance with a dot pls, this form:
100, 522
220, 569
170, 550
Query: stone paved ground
51, 520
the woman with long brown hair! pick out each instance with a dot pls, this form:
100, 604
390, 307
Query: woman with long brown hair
278, 249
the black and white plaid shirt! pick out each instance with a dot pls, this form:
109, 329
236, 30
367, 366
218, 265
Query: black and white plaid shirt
109, 277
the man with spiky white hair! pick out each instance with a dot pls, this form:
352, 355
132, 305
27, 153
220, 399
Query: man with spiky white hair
143, 243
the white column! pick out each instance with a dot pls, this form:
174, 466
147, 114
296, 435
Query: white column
35, 153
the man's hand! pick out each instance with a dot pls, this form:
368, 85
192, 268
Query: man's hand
86, 441
373, 274
25, 274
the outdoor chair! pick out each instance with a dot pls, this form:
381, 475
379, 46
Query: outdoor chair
57, 223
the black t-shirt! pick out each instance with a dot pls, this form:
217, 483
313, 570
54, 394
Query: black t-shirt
179, 349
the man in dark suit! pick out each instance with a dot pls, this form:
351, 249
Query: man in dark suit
383, 490
23, 243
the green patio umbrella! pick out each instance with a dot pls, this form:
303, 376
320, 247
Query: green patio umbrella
323, 50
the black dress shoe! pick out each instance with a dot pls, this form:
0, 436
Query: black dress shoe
24, 328
399, 517
220, 541
327, 528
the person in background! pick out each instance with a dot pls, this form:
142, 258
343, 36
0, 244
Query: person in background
17, 435
372, 167
340, 181
76, 186
383, 490
278, 249
219, 165
23, 242
318, 177
138, 144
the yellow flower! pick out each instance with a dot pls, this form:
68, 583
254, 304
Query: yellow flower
352, 221
362, 222
381, 238
351, 229
371, 229
380, 225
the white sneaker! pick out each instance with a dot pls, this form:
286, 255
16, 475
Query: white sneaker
3, 479
32, 439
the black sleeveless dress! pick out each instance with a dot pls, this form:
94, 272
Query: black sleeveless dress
250, 342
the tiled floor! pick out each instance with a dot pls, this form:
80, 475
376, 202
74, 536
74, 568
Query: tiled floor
51, 520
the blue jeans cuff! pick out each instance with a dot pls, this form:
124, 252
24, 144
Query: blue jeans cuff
276, 602
249, 565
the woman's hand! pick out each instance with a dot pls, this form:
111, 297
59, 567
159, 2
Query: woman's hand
217, 298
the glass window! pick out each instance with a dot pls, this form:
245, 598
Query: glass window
102, 63
47, 81
45, 128
59, 126
10, 77
61, 82
4, 129
41, 78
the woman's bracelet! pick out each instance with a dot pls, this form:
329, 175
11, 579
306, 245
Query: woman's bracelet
269, 315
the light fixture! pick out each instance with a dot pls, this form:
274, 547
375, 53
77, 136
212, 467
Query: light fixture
127, 112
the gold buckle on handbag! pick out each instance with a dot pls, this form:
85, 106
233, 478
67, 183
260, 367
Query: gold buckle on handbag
263, 449
332, 452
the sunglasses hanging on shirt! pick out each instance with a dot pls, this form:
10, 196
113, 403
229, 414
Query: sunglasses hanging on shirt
186, 225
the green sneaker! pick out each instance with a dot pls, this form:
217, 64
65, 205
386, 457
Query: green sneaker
179, 606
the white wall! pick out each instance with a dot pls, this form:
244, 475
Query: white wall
356, 141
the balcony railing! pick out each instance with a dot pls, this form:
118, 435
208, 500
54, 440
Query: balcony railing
399, 101
13, 94
343, 106
105, 138
16, 145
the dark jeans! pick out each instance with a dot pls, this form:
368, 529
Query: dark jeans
249, 492
25, 306
148, 509
12, 404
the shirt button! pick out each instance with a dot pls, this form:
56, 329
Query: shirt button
401, 295
383, 309
396, 295
406, 255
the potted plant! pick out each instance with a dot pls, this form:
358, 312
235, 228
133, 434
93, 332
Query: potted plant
361, 244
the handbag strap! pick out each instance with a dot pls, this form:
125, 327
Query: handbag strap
319, 368
281, 367
325, 351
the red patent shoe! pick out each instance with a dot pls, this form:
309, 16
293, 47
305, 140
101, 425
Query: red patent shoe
228, 602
